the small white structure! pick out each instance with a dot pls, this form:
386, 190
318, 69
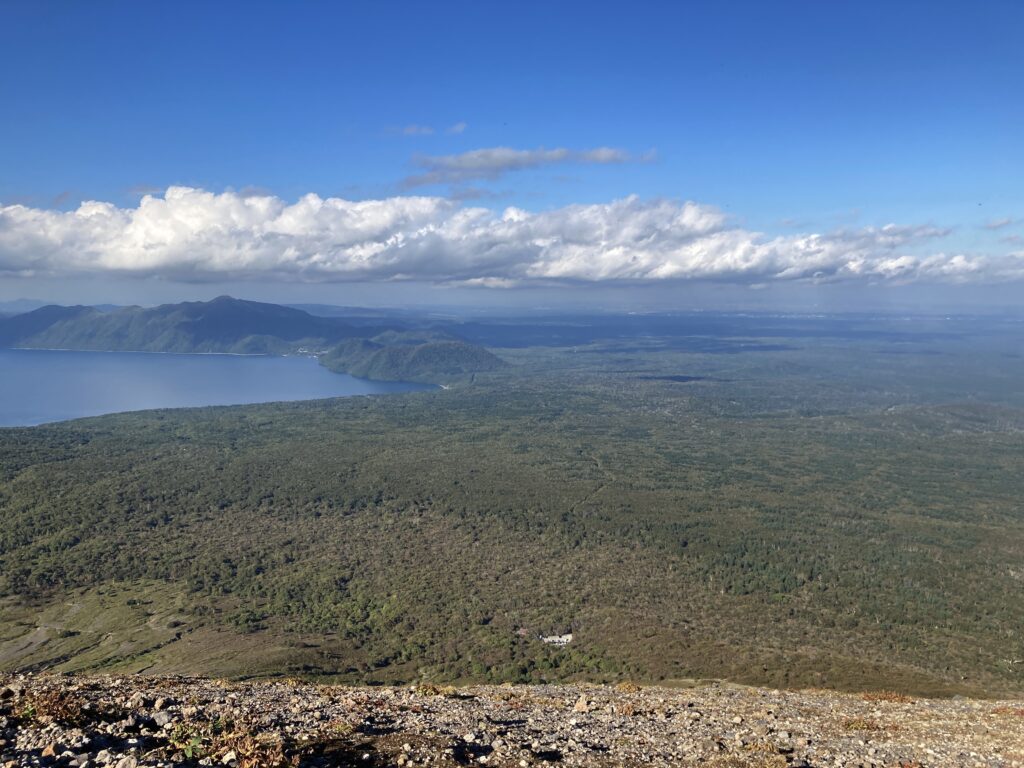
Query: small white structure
556, 639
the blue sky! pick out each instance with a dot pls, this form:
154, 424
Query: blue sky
788, 118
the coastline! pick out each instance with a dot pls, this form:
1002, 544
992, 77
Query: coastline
49, 388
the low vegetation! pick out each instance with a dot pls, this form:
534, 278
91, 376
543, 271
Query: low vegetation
826, 513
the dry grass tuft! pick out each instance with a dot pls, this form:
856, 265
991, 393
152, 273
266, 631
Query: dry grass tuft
257, 750
862, 724
52, 706
753, 760
1009, 711
430, 689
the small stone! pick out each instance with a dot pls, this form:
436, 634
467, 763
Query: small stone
469, 738
230, 757
162, 719
737, 720
582, 705
128, 762
50, 750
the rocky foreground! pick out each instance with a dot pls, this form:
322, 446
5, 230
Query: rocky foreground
141, 721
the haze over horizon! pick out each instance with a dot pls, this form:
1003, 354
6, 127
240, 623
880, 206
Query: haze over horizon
815, 157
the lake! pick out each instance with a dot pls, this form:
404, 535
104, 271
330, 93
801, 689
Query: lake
39, 386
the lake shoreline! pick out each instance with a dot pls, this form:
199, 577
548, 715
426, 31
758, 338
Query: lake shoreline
48, 386
148, 352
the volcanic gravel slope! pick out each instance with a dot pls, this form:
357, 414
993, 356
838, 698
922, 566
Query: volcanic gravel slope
137, 721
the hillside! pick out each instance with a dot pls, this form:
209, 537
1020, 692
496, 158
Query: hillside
409, 357
371, 347
156, 721
774, 518
21, 330
221, 325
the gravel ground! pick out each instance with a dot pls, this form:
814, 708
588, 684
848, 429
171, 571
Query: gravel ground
137, 721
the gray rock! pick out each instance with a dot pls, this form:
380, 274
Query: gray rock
162, 719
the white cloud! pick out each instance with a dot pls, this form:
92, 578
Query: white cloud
494, 162
457, 129
418, 130
193, 234
999, 223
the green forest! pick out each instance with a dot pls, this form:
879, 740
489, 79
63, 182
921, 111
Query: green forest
802, 511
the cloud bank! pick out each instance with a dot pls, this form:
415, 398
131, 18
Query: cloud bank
195, 235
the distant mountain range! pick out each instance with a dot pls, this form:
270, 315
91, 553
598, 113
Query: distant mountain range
380, 349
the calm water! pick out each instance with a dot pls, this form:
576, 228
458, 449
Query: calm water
38, 386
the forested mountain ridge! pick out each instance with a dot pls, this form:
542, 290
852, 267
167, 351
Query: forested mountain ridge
228, 325
221, 325
23, 329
